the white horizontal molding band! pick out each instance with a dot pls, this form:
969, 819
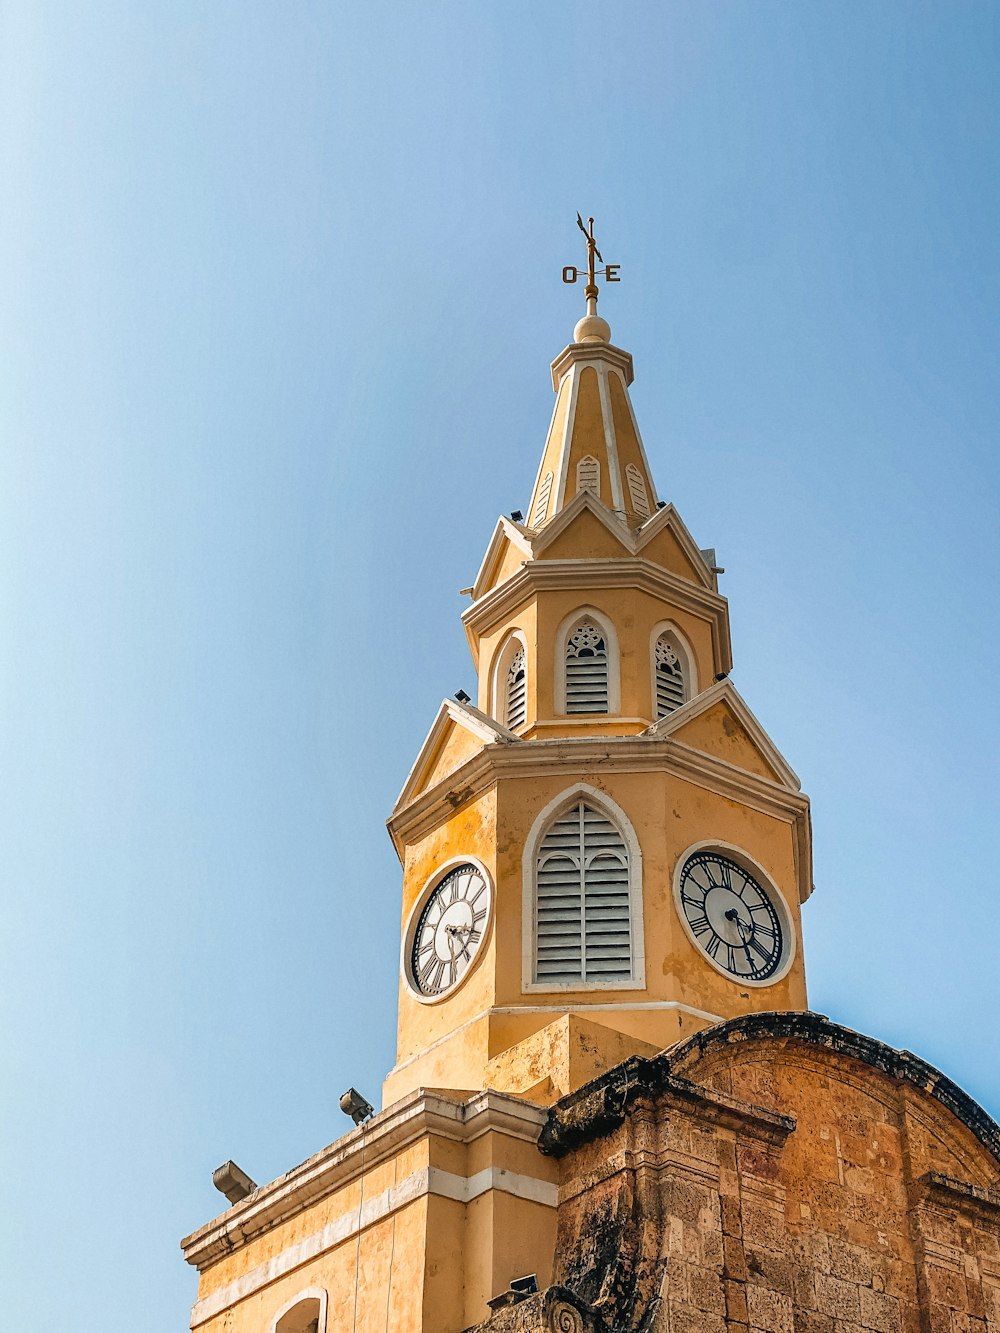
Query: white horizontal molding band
431, 1180
580, 1010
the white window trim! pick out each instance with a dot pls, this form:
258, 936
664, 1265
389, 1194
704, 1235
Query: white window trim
502, 659
309, 1294
690, 668
744, 858
600, 799
430, 884
566, 627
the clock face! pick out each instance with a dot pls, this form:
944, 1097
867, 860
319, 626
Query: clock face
449, 931
732, 918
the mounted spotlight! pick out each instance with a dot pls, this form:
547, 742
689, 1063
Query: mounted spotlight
353, 1104
462, 697
528, 1285
235, 1184
517, 516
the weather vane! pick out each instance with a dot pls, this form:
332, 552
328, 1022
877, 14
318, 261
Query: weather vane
610, 271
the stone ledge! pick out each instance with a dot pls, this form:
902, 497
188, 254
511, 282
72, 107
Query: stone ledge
600, 1106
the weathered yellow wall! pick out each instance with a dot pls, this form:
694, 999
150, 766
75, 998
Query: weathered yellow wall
448, 1044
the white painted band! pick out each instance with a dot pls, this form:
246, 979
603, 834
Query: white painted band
431, 1180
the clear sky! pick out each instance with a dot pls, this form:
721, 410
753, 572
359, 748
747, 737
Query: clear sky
280, 288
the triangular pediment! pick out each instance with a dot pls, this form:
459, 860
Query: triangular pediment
665, 540
457, 733
585, 530
509, 547
718, 722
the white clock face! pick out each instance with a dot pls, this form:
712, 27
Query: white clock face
733, 919
449, 931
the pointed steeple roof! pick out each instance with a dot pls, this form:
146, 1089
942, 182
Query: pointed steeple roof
593, 442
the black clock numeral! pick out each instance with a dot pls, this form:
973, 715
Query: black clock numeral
699, 924
712, 947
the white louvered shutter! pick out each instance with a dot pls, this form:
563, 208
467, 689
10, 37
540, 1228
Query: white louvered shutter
588, 475
637, 490
583, 926
542, 503
586, 670
516, 693
670, 685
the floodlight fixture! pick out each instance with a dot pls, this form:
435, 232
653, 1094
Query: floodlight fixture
235, 1184
462, 697
357, 1107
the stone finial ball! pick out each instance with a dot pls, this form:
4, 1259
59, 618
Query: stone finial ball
592, 329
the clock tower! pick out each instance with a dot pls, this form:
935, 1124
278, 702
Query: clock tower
605, 852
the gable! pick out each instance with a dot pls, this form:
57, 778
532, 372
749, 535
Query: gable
458, 732
454, 748
584, 537
719, 732
664, 549
508, 548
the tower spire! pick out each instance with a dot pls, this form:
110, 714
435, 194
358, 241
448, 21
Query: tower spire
593, 443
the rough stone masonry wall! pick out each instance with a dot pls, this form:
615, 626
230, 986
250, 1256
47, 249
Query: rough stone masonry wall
772, 1176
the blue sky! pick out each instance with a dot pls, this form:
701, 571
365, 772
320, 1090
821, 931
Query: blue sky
280, 290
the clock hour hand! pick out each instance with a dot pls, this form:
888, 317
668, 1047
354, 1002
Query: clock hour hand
734, 916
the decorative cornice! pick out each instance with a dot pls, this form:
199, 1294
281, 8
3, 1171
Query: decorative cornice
573, 755
958, 1194
600, 1106
587, 354
625, 571
412, 1118
816, 1030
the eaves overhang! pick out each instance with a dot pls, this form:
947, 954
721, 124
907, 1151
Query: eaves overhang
413, 1118
613, 572
644, 753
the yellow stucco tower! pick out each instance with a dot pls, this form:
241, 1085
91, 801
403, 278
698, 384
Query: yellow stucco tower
603, 855
606, 852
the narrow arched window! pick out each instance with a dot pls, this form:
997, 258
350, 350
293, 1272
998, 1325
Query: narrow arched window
583, 916
637, 490
586, 670
515, 709
307, 1315
542, 502
669, 674
588, 475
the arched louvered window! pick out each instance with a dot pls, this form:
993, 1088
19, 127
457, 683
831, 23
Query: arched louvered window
637, 490
588, 475
669, 674
515, 709
586, 669
583, 908
542, 502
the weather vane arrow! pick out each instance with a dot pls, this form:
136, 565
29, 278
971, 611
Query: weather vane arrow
609, 271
